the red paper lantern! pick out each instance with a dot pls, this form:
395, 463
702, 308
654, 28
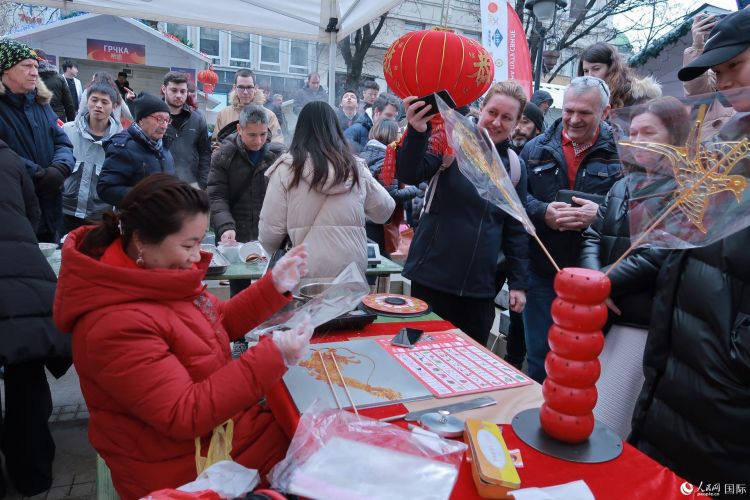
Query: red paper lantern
209, 79
423, 62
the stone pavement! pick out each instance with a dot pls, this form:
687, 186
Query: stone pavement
74, 469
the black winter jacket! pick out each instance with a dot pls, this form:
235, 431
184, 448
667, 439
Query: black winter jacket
29, 127
27, 282
548, 174
62, 102
230, 169
634, 278
190, 147
128, 159
693, 413
456, 245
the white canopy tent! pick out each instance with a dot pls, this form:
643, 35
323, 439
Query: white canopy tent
325, 21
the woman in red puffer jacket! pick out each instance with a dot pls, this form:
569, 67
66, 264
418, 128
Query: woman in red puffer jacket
151, 346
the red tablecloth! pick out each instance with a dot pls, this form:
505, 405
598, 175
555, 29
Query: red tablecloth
632, 475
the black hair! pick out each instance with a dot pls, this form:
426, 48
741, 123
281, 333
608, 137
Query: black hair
386, 99
244, 72
370, 84
67, 64
319, 138
103, 88
175, 77
155, 208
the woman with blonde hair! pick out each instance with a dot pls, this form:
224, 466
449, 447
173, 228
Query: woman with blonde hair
454, 253
320, 194
602, 60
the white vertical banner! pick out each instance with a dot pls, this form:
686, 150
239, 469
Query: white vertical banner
495, 35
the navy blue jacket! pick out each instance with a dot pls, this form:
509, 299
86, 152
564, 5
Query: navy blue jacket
548, 174
128, 160
357, 135
456, 246
29, 127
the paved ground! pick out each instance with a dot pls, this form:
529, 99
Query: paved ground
75, 459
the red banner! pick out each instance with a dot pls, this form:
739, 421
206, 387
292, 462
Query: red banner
117, 52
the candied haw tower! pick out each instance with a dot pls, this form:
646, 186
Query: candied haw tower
576, 340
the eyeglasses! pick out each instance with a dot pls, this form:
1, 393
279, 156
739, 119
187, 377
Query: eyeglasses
245, 89
161, 121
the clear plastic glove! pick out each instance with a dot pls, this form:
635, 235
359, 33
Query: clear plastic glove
290, 269
294, 344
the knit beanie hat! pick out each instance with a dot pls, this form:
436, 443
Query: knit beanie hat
13, 52
147, 104
533, 113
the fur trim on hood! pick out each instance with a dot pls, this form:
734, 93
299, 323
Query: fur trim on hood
43, 94
644, 89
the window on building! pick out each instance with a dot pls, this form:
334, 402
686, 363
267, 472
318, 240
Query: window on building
577, 7
240, 49
409, 26
270, 54
178, 29
473, 35
209, 42
298, 61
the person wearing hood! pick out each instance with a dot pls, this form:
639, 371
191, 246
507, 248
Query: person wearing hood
29, 127
81, 203
62, 101
603, 61
136, 152
152, 347
29, 339
320, 194
453, 256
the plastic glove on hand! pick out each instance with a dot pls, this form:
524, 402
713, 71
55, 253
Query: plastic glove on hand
290, 269
295, 343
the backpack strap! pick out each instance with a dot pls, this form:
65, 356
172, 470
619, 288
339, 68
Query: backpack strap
515, 167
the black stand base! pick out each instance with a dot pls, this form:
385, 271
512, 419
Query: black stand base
602, 446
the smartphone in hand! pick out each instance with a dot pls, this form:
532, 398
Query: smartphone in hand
430, 99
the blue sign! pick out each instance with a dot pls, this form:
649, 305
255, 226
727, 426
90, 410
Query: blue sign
497, 38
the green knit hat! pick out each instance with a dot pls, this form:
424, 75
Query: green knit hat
13, 52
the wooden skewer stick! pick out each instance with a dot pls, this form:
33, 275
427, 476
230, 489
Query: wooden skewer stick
330, 383
343, 382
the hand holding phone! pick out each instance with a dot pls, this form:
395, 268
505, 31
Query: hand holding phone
432, 101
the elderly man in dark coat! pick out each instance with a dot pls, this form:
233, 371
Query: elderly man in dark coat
28, 337
29, 127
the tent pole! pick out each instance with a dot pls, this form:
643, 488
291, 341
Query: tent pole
332, 70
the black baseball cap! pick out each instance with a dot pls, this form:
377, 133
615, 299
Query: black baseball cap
729, 38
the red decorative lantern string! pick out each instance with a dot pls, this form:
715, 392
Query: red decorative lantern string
209, 79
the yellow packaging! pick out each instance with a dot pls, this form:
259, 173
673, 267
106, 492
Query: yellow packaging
491, 465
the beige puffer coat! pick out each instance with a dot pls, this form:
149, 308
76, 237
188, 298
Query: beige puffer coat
330, 221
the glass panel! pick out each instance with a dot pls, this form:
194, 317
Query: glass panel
298, 56
209, 41
178, 29
269, 50
240, 45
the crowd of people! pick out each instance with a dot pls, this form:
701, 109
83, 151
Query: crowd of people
135, 191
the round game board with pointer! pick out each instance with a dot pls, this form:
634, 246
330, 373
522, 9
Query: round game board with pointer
392, 304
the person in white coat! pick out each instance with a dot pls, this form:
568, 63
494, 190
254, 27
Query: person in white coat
320, 194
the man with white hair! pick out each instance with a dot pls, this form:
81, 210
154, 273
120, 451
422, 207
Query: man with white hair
577, 153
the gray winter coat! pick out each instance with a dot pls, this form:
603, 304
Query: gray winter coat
79, 191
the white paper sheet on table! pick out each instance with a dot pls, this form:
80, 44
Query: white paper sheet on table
575, 490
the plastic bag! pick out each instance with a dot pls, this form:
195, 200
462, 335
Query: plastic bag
170, 494
348, 290
219, 448
227, 478
336, 454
